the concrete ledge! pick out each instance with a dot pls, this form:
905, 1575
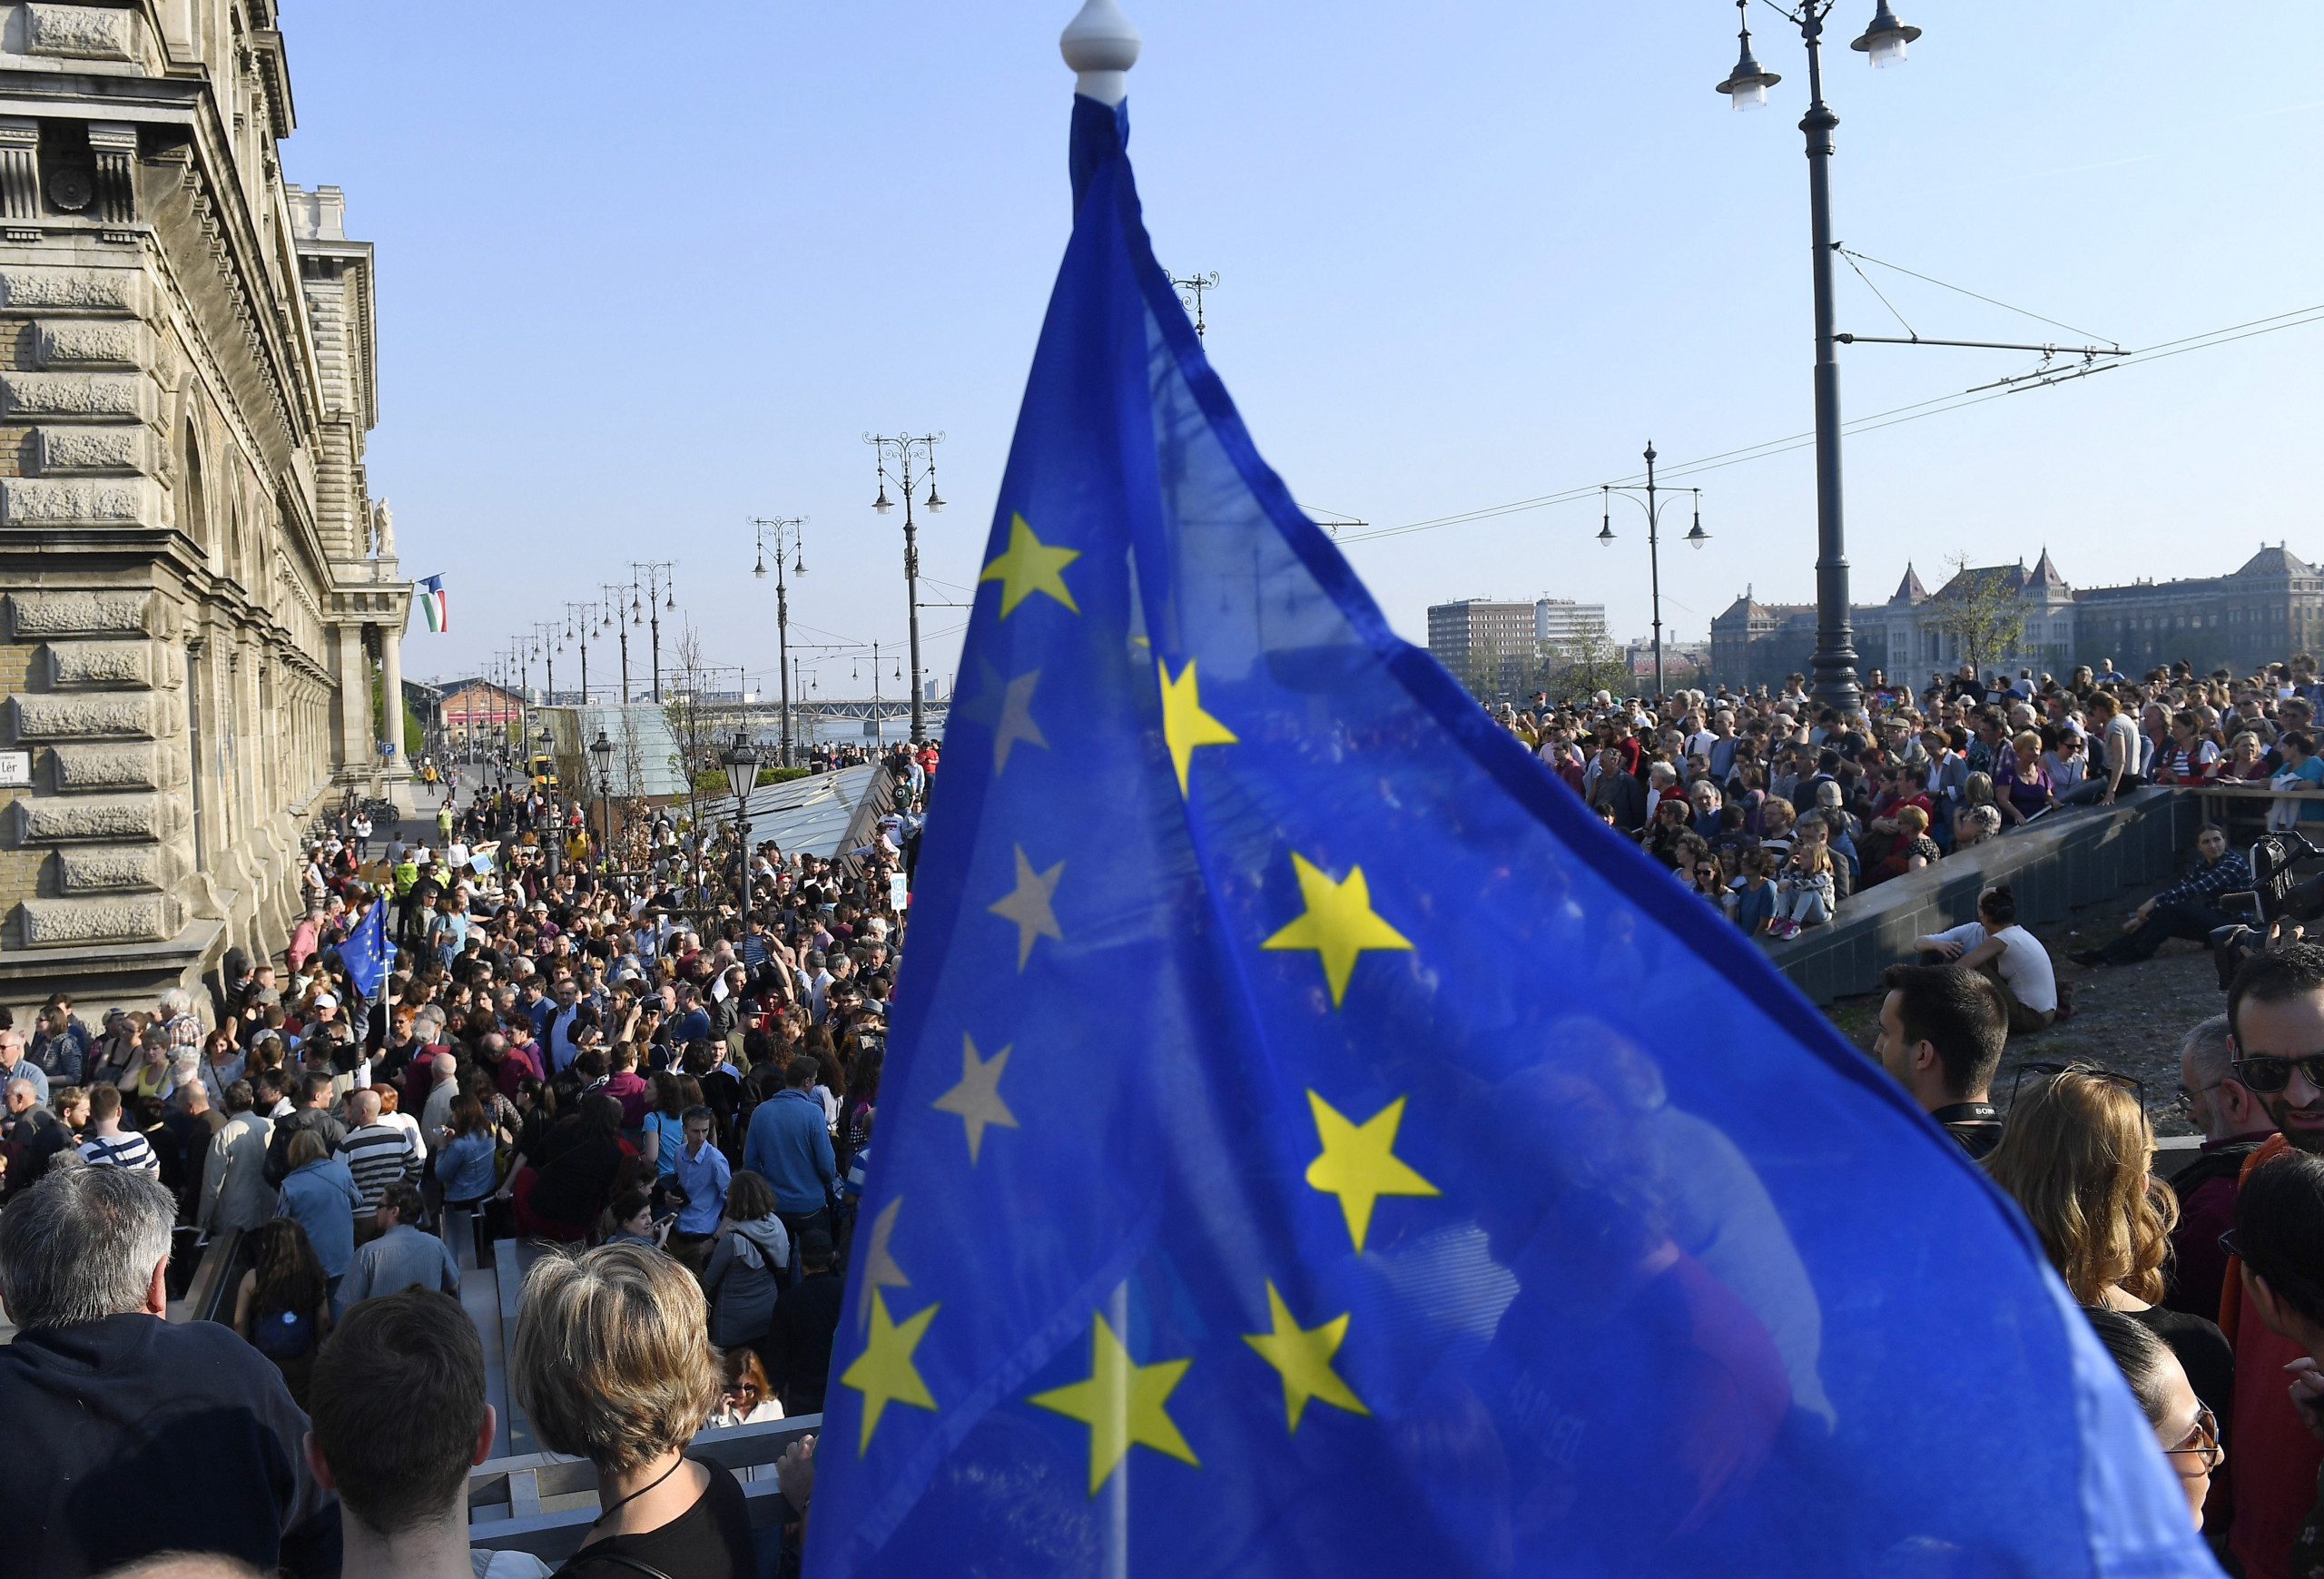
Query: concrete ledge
2067, 860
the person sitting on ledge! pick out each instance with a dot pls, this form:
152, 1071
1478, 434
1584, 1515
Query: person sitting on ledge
1997, 946
2187, 909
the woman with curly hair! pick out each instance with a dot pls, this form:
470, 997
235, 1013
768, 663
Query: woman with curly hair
2076, 1154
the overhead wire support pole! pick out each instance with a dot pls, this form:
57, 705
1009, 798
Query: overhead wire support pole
613, 590
2085, 350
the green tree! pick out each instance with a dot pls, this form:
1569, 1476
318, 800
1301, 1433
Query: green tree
1982, 611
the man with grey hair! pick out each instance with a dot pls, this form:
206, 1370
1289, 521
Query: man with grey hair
2233, 1124
15, 1066
128, 1435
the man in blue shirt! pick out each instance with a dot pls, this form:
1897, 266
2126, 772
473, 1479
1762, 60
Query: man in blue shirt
702, 1172
790, 1147
693, 1024
16, 1066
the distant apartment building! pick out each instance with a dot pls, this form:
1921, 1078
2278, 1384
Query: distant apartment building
1562, 626
1479, 630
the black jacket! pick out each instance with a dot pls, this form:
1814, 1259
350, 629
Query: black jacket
130, 1436
799, 1342
278, 1144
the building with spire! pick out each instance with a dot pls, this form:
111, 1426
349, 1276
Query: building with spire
2270, 607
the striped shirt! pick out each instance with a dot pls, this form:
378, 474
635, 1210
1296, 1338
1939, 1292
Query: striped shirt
377, 1155
129, 1150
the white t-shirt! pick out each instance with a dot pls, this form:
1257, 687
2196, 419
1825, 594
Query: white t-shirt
2024, 963
2122, 744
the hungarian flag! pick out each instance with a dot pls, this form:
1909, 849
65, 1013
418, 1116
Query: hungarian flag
432, 602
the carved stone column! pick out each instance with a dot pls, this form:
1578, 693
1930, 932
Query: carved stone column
19, 167
355, 737
393, 767
115, 144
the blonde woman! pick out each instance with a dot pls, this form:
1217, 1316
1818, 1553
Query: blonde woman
610, 1363
2076, 1154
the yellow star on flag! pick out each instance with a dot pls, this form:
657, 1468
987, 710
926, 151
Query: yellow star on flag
1184, 723
1302, 1357
1027, 905
1122, 1404
879, 1268
1029, 566
883, 1373
1339, 923
977, 1101
1359, 1164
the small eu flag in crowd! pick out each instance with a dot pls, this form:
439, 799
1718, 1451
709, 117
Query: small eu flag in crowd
1312, 1144
365, 952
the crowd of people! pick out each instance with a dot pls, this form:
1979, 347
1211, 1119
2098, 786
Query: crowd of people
2208, 1288
1777, 811
673, 1088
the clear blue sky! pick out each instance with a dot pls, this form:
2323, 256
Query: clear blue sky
647, 271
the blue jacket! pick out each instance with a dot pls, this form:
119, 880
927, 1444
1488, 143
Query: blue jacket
464, 1166
790, 1147
322, 1197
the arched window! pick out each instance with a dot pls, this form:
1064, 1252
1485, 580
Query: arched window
193, 511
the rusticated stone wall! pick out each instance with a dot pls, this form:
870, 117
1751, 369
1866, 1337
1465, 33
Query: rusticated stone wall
190, 573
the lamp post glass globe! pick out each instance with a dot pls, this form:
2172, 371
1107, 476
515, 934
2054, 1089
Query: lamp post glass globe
602, 749
1885, 40
741, 761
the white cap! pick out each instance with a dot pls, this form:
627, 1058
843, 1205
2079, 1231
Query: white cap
1100, 45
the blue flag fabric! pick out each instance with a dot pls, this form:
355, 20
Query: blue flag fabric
365, 952
1311, 1143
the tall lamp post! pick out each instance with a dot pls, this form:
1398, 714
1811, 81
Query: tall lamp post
601, 750
779, 525
613, 615
544, 644
906, 448
1746, 88
657, 595
580, 631
742, 763
1653, 509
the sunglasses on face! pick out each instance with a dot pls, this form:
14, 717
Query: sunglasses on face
2268, 1076
2129, 1083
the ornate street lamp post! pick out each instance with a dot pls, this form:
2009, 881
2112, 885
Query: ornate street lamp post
1746, 87
741, 761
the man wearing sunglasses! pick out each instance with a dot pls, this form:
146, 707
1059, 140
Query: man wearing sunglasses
2233, 1124
2275, 1011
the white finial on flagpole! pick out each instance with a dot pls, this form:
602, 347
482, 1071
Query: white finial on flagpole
1101, 44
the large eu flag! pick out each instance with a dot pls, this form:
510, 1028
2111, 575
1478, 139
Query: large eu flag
1312, 1144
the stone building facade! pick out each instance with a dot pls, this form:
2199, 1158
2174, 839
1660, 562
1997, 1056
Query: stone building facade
196, 591
2265, 610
